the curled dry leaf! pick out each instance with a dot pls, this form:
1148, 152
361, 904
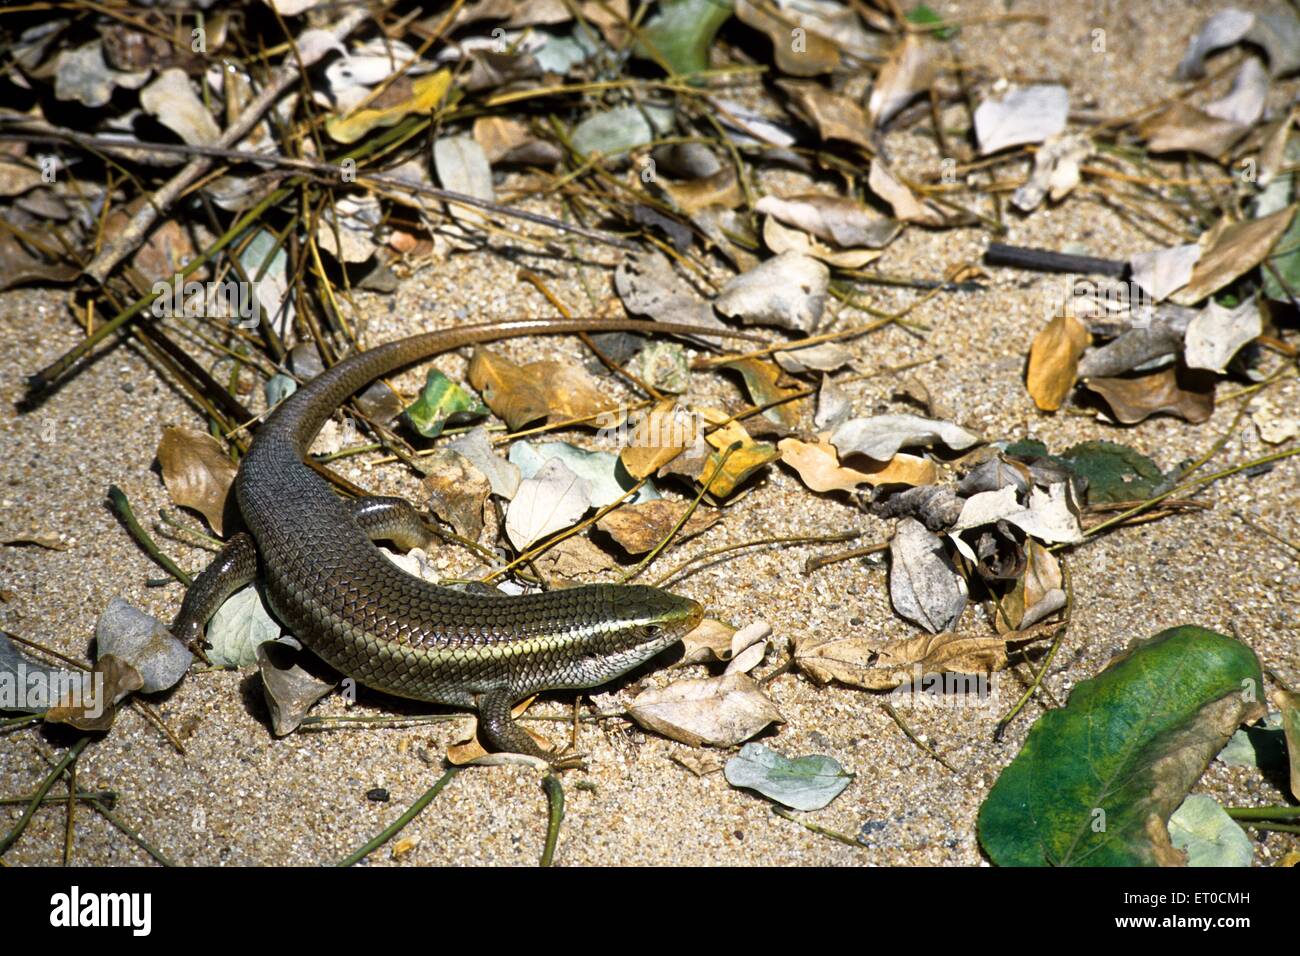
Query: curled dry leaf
708, 642
1054, 360
826, 357
835, 219
818, 466
833, 405
658, 438
463, 167
720, 189
781, 239
520, 394
835, 115
882, 436
910, 71
501, 474
92, 705
924, 586
648, 285
640, 527
1230, 251
457, 491
1037, 593
713, 711
171, 100
817, 54
197, 472
788, 291
1175, 391
1215, 334
875, 664
554, 499
1161, 272
424, 93
1056, 170
901, 199
743, 462
762, 381
289, 690
574, 559
143, 642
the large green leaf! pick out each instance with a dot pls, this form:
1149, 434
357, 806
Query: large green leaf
682, 32
1096, 781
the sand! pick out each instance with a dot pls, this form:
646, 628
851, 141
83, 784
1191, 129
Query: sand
238, 796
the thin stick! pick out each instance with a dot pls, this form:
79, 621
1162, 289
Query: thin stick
820, 830
789, 539
72, 754
889, 709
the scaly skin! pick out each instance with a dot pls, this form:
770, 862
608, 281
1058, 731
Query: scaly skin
389, 630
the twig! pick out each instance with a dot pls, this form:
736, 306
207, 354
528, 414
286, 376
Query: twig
817, 828
889, 709
39, 796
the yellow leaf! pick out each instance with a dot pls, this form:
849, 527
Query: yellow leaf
426, 93
1054, 360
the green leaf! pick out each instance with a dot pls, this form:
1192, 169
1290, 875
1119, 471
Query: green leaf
1097, 780
923, 16
682, 32
805, 783
1289, 701
1115, 472
442, 403
1204, 831
239, 626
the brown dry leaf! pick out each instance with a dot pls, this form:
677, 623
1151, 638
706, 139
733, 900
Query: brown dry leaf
1038, 592
743, 462
457, 491
720, 189
709, 642
901, 199
818, 53
875, 664
18, 266
835, 115
575, 559
1232, 250
714, 711
818, 466
520, 394
499, 136
1187, 393
762, 377
197, 472
93, 708
638, 528
659, 438
1054, 360
902, 469
1184, 127
42, 539
909, 72
836, 219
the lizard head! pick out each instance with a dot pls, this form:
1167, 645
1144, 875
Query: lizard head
644, 621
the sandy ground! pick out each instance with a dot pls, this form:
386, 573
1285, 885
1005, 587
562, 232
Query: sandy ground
239, 796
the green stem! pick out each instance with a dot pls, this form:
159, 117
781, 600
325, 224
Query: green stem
395, 827
122, 508
39, 796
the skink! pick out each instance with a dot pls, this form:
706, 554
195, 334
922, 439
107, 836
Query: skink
389, 630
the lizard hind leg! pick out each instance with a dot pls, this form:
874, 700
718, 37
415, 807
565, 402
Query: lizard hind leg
392, 519
501, 732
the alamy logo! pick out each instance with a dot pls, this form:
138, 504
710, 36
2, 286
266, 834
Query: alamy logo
38, 689
75, 908
196, 300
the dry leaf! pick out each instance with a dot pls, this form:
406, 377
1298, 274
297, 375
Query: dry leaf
743, 462
881, 436
781, 239
1232, 250
714, 711
818, 466
901, 199
457, 491
574, 559
1216, 334
720, 189
710, 641
874, 664
788, 291
835, 115
426, 92
520, 394
910, 71
836, 219
1030, 114
1037, 593
924, 586
818, 53
1177, 391
659, 438
762, 378
1054, 360
553, 499
640, 527
197, 472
